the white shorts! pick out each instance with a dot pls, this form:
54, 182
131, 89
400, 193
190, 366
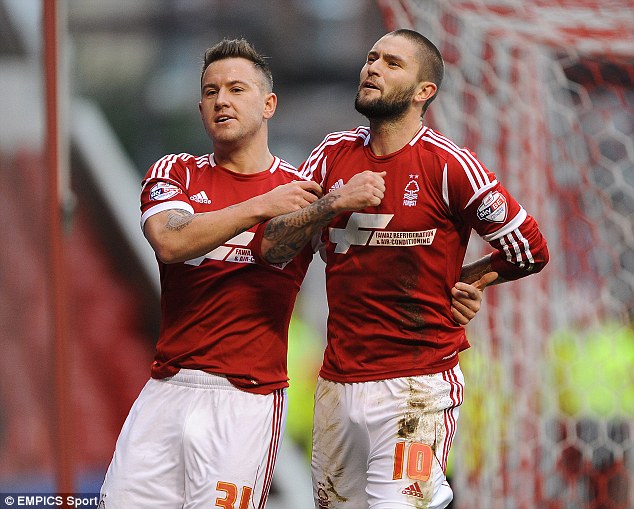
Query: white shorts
195, 441
384, 444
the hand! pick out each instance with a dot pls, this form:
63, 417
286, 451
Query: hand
467, 298
365, 189
291, 197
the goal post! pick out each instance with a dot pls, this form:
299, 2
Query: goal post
543, 92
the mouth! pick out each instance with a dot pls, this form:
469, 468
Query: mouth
368, 85
222, 119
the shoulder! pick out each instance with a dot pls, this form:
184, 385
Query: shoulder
343, 138
172, 162
334, 142
444, 147
459, 162
287, 171
460, 173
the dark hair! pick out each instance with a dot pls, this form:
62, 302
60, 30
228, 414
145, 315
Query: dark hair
238, 48
432, 66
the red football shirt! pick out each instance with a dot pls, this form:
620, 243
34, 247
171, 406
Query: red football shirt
390, 269
222, 313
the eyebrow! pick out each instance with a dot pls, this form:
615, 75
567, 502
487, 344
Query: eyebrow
391, 56
387, 56
231, 84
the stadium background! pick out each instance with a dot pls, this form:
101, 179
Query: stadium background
542, 91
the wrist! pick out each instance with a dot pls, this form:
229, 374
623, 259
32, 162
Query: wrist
257, 209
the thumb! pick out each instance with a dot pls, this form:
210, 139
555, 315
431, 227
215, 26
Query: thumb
486, 280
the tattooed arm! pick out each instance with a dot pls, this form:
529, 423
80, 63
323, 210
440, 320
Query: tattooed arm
286, 235
177, 235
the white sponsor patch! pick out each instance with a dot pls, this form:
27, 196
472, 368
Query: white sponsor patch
493, 208
386, 238
234, 251
367, 230
163, 191
241, 255
358, 230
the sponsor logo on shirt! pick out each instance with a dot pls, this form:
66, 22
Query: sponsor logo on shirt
369, 230
163, 191
235, 250
410, 195
200, 198
493, 208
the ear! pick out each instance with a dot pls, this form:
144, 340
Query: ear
270, 104
426, 91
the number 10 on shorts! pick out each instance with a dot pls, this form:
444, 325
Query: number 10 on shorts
415, 458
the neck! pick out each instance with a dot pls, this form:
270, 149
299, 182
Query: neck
389, 136
245, 159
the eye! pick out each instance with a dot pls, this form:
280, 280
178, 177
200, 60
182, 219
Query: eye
210, 92
237, 90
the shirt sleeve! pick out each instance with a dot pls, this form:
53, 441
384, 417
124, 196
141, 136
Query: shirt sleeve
165, 187
485, 205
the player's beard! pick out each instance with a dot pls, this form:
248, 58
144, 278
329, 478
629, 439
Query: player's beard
387, 107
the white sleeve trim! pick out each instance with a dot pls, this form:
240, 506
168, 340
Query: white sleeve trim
512, 225
160, 207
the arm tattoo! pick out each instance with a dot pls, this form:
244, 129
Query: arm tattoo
178, 219
291, 232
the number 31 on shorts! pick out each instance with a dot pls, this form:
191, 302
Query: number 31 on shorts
415, 458
231, 491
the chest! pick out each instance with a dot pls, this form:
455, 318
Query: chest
214, 190
413, 189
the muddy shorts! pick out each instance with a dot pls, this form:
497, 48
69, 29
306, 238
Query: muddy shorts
384, 444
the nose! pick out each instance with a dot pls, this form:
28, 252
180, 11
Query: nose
222, 99
372, 68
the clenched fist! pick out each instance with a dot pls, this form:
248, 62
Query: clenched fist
365, 189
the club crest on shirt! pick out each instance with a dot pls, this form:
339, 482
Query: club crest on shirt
410, 195
493, 208
164, 191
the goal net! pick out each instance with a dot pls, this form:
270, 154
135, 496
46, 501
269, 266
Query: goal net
543, 92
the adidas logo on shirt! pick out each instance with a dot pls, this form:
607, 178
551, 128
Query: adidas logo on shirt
413, 490
200, 198
336, 185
